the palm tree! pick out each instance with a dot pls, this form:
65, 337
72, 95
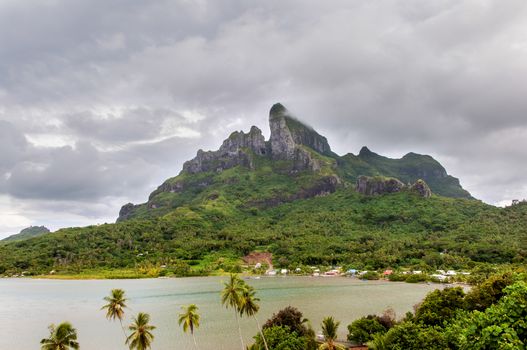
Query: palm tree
329, 330
230, 298
249, 307
141, 337
62, 337
115, 307
190, 320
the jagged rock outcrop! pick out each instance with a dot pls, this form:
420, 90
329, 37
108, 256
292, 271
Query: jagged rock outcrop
236, 150
291, 140
377, 185
421, 187
126, 212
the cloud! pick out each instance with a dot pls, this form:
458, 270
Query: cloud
101, 101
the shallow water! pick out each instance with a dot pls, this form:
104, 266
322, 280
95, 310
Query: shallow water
28, 306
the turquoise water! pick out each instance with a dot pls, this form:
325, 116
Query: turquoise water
28, 306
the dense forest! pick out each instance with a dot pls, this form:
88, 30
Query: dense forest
343, 228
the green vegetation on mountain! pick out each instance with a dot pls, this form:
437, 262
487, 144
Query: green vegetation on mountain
28, 232
393, 230
290, 196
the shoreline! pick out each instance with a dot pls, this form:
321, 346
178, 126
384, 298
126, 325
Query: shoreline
89, 277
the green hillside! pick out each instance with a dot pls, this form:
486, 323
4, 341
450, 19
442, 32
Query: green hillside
28, 232
345, 227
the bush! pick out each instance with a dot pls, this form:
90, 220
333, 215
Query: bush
362, 330
440, 306
289, 317
280, 338
416, 278
488, 292
370, 275
397, 277
410, 336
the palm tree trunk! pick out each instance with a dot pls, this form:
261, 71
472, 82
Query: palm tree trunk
124, 332
239, 328
195, 343
261, 332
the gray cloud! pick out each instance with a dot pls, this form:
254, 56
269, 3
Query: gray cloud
101, 101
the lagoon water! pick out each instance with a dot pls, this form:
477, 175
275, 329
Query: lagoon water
28, 306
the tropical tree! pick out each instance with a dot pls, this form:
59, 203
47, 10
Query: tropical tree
141, 337
231, 298
249, 306
61, 337
116, 303
190, 320
329, 330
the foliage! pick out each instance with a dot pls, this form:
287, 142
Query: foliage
329, 331
501, 326
61, 337
416, 278
189, 318
291, 318
488, 292
280, 338
141, 337
369, 233
409, 336
362, 330
440, 306
371, 276
116, 305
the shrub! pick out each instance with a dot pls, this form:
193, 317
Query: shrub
371, 275
397, 277
362, 330
416, 278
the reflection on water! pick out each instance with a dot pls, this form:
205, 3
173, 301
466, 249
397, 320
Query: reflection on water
27, 307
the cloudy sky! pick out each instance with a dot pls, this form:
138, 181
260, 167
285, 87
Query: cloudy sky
100, 101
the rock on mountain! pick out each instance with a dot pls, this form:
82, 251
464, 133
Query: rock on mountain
378, 185
295, 163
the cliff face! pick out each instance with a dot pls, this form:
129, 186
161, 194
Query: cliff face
290, 141
295, 163
236, 150
379, 185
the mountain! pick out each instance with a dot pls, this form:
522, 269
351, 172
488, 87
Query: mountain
293, 199
295, 163
27, 233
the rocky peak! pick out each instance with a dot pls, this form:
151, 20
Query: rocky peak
233, 152
287, 133
253, 140
365, 151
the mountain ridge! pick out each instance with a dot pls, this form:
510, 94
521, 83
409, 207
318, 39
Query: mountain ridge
293, 150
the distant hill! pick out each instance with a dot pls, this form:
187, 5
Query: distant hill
28, 232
